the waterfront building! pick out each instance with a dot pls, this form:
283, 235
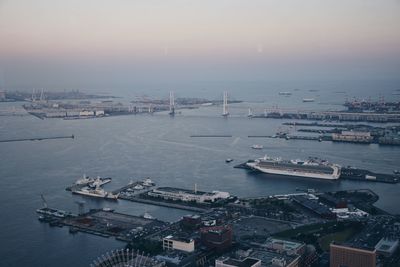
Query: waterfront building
178, 243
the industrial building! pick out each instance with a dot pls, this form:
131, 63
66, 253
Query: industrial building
178, 194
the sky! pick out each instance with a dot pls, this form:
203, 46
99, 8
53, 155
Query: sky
75, 43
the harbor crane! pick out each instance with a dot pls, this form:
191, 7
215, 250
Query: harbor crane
81, 207
44, 201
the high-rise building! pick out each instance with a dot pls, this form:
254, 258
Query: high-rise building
346, 256
218, 237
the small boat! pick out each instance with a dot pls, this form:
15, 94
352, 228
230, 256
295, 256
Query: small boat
285, 93
147, 215
228, 160
148, 182
257, 146
396, 172
108, 209
84, 180
138, 187
308, 99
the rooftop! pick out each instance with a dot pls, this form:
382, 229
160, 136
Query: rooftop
247, 262
180, 190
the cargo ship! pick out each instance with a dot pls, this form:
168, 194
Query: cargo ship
311, 168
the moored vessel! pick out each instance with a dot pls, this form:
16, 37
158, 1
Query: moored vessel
97, 192
311, 168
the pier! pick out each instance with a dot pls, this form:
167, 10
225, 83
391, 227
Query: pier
37, 139
211, 135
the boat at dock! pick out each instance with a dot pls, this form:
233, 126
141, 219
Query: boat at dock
45, 211
96, 192
147, 215
99, 182
311, 168
86, 180
148, 182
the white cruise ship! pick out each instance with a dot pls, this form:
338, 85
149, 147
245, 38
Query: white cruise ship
311, 168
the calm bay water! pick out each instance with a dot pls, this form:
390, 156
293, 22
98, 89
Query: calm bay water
160, 147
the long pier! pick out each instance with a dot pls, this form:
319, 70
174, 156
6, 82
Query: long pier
37, 138
211, 135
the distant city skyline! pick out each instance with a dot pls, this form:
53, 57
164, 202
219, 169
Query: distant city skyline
63, 43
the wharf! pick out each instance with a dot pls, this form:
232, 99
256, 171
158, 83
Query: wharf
318, 124
108, 223
366, 175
